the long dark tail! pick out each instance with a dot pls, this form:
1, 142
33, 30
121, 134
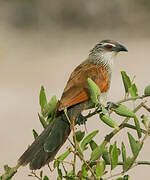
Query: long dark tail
47, 144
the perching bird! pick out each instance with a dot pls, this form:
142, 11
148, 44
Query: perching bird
76, 98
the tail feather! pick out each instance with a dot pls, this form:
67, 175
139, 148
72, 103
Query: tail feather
45, 147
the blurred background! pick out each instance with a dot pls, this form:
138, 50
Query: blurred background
41, 42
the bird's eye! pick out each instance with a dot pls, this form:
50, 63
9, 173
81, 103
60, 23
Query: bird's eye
108, 46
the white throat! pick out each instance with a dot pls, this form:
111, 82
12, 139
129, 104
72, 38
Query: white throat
107, 58
104, 57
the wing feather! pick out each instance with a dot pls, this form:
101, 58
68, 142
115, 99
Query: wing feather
77, 89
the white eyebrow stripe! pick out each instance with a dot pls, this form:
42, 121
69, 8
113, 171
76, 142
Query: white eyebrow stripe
104, 44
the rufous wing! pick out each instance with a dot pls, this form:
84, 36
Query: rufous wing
77, 89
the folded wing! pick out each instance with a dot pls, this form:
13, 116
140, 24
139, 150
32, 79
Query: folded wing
77, 89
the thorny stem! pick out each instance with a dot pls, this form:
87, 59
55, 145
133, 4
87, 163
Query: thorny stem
133, 127
64, 168
131, 99
51, 170
34, 175
114, 175
107, 138
146, 107
11, 173
74, 139
142, 163
88, 166
118, 102
71, 142
135, 164
121, 163
75, 142
115, 131
82, 159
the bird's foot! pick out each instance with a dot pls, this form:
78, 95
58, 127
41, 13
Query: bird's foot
81, 120
110, 104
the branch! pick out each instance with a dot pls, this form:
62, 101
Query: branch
121, 163
146, 107
11, 173
131, 99
121, 126
133, 127
119, 102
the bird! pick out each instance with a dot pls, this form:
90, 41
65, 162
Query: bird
75, 99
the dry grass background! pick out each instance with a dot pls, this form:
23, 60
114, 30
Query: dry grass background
42, 42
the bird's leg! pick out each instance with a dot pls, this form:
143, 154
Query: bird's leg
81, 120
110, 104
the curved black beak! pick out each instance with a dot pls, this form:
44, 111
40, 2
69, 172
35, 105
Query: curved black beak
120, 48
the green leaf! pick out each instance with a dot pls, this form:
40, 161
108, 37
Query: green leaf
50, 107
41, 174
7, 168
79, 135
80, 151
126, 177
108, 120
119, 151
97, 153
123, 149
59, 173
133, 90
84, 171
147, 91
59, 178
94, 91
45, 178
100, 168
138, 128
110, 148
9, 172
71, 178
144, 120
104, 110
120, 178
123, 110
43, 100
114, 156
93, 145
35, 134
50, 117
70, 174
133, 144
126, 81
128, 163
135, 147
42, 120
87, 139
106, 156
61, 158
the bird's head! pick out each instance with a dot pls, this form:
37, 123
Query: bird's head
106, 51
108, 46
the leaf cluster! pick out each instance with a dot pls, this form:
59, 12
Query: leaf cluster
107, 154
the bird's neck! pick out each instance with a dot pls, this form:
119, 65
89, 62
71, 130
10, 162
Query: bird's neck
106, 59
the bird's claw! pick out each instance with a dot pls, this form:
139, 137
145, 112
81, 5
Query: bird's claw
81, 120
110, 105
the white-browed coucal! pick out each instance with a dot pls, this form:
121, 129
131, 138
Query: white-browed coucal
76, 98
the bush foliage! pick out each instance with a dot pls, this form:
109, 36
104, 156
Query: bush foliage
107, 155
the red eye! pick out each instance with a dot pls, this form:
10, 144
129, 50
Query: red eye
108, 46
